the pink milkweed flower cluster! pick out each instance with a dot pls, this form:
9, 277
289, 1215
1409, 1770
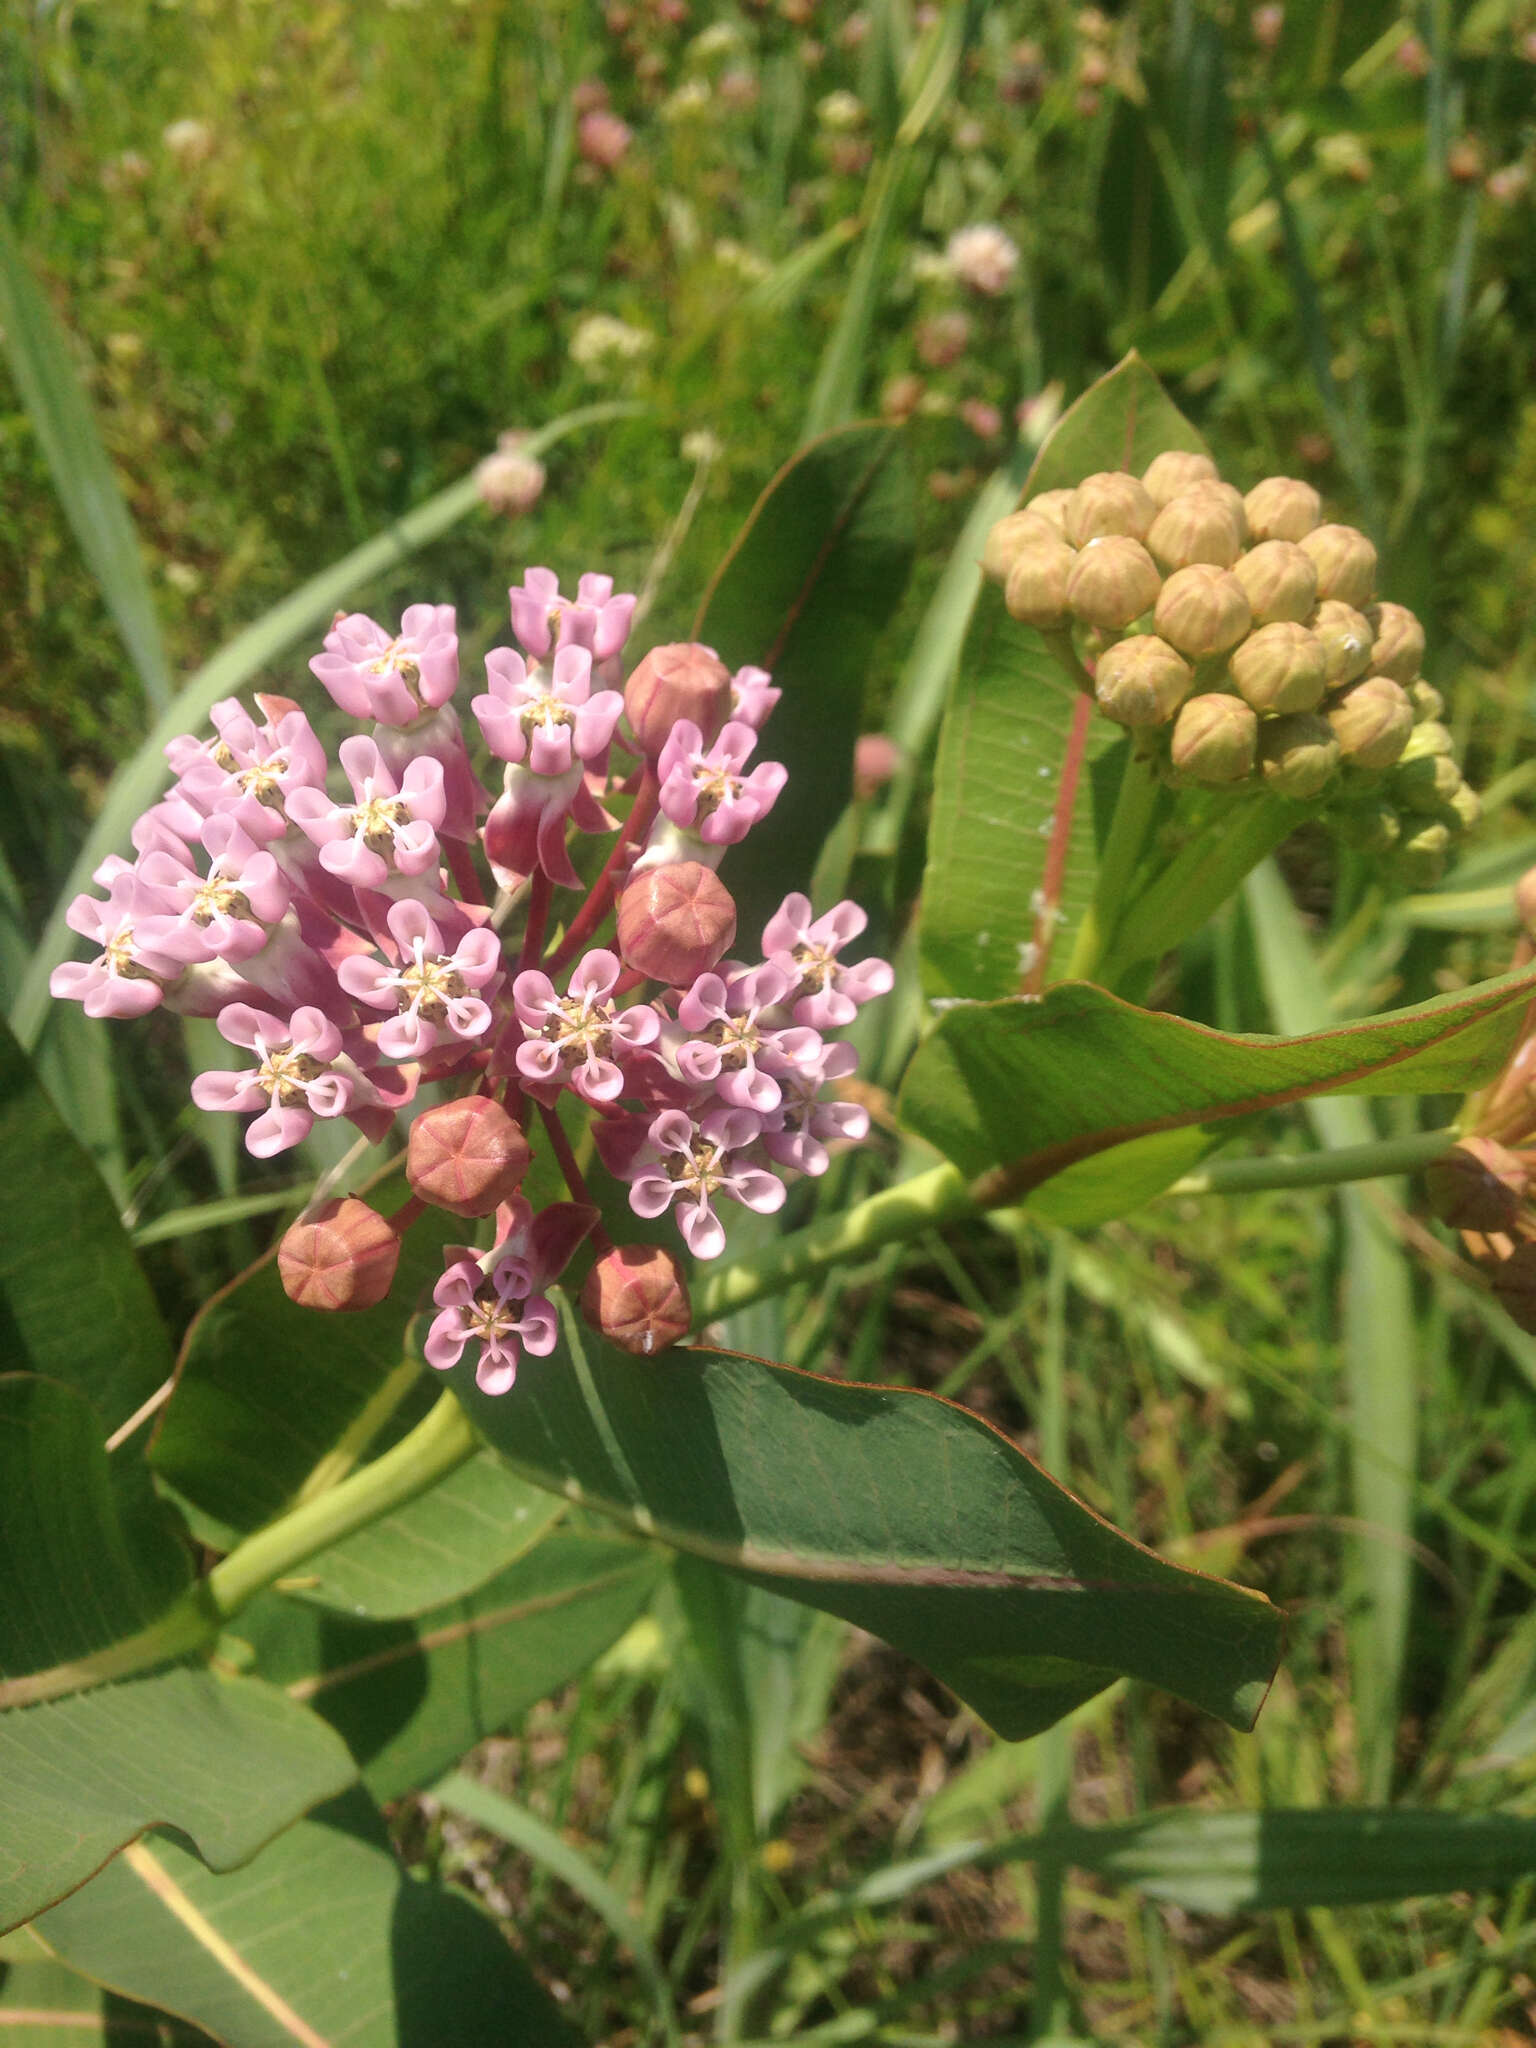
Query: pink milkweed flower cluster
342, 926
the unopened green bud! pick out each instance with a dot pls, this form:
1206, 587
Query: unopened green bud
1426, 700
1052, 507
1194, 527
1425, 783
1346, 637
1280, 668
1282, 508
1373, 828
1166, 475
1215, 739
1430, 737
1477, 1185
1298, 755
1010, 537
1346, 564
1280, 580
1202, 610
1113, 581
1141, 681
1112, 502
1036, 590
1467, 805
1421, 858
1398, 648
1371, 722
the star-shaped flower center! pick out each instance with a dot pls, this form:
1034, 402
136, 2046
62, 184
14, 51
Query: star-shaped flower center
701, 1169
218, 897
118, 956
376, 819
580, 1025
428, 986
283, 1073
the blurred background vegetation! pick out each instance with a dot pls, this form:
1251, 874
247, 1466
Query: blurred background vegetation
312, 260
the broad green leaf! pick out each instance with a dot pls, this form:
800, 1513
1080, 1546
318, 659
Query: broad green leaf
410, 1699
44, 2005
309, 609
322, 1939
62, 419
87, 1553
265, 1390
438, 1547
1246, 1862
1021, 1091
998, 779
896, 1510
73, 1302
226, 1762
816, 572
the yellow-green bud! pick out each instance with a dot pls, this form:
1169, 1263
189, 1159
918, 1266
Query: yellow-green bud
1372, 721
1202, 610
1468, 806
1280, 580
1051, 506
1430, 737
1280, 668
1421, 859
1345, 562
1224, 494
1010, 537
1194, 527
1373, 828
1215, 739
1282, 508
1141, 681
1112, 502
1398, 647
1426, 700
1426, 777
1113, 581
1166, 475
1298, 755
1036, 590
1346, 637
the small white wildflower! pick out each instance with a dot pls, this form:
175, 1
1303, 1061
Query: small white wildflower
189, 141
720, 39
601, 342
840, 111
984, 258
701, 446
745, 262
688, 103
511, 480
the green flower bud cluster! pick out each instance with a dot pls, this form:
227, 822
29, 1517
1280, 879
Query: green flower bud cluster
1240, 640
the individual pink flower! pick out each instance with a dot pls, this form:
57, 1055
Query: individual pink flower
389, 828
594, 618
579, 1039
730, 1045
489, 1302
753, 696
798, 1133
372, 674
546, 719
225, 914
303, 1071
704, 791
829, 995
602, 138
128, 978
435, 993
247, 771
690, 1164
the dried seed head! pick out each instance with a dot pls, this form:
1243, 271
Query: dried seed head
1298, 755
1194, 527
1280, 668
340, 1256
1215, 740
682, 680
1282, 508
1345, 562
1113, 502
635, 1296
1398, 647
467, 1156
1141, 681
1166, 475
1281, 581
1112, 582
1036, 590
1371, 722
1478, 1185
1202, 610
675, 922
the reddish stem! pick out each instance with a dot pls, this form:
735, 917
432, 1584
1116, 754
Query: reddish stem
406, 1215
595, 909
1033, 981
539, 891
560, 1145
463, 871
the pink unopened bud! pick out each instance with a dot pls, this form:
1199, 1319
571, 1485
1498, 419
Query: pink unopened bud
602, 138
682, 680
341, 1256
676, 922
467, 1157
1478, 1185
636, 1298
876, 758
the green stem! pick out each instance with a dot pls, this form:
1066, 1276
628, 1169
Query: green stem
1134, 808
890, 1217
1327, 1169
1051, 2014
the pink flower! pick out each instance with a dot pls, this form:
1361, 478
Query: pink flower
602, 138
579, 1039
128, 978
434, 992
371, 675
706, 793
828, 994
248, 770
489, 1303
799, 1132
303, 1071
731, 1046
547, 721
753, 696
690, 1164
389, 828
594, 618
983, 257
225, 914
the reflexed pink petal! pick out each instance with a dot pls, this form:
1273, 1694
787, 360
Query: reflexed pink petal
702, 1230
445, 1341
